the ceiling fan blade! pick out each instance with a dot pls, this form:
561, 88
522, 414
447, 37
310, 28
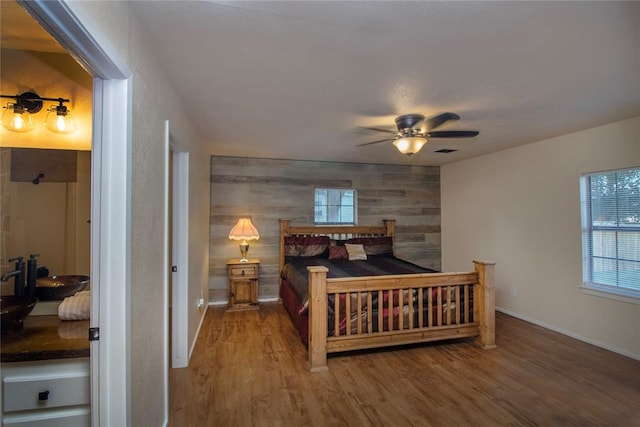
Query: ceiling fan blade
375, 142
440, 119
378, 129
453, 134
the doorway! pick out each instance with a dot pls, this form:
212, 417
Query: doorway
110, 205
177, 246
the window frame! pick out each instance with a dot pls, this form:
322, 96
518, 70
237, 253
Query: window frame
333, 223
589, 285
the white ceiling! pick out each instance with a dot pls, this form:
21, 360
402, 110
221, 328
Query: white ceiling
297, 79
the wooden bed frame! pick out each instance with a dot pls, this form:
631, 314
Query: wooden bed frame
481, 280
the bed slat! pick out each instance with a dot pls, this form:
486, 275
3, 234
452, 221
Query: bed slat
369, 312
359, 312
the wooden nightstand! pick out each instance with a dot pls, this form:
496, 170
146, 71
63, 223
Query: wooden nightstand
243, 284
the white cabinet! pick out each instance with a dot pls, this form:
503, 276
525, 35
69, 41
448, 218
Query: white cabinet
48, 392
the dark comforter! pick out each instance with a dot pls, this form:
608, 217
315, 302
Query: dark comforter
295, 270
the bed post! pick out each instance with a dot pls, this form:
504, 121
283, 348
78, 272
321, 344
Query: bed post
484, 300
390, 225
318, 318
284, 231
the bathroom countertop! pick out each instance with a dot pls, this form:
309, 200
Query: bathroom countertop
46, 337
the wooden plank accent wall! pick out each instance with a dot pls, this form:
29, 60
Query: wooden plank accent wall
266, 190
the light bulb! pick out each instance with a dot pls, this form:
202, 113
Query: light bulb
17, 119
59, 120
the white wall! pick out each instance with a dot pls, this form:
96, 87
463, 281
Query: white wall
154, 101
521, 209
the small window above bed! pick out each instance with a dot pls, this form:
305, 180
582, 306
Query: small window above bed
335, 206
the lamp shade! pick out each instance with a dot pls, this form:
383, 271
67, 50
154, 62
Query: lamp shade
59, 120
17, 119
409, 145
244, 230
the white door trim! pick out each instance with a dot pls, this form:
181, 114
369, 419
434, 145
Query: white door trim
110, 260
165, 274
180, 239
76, 31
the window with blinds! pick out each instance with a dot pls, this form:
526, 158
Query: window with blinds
611, 231
335, 206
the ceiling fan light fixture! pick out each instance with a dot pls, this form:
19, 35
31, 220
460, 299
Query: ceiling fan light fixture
409, 145
414, 129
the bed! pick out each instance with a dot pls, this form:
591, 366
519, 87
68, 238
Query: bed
345, 290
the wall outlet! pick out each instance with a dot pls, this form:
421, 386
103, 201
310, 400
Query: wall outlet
513, 291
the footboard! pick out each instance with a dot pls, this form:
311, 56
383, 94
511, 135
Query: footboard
380, 311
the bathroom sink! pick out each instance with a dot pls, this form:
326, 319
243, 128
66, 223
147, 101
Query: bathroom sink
15, 309
59, 287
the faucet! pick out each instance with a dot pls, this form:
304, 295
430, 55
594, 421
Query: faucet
9, 275
18, 274
33, 272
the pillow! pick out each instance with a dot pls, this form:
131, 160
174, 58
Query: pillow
356, 252
338, 252
306, 246
374, 245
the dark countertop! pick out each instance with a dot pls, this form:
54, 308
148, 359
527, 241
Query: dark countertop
46, 337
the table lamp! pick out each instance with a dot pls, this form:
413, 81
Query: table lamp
244, 231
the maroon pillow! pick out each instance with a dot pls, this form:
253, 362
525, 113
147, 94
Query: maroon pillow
338, 252
374, 245
308, 246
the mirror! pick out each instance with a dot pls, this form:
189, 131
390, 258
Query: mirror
46, 215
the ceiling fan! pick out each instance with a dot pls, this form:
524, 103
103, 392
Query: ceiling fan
410, 138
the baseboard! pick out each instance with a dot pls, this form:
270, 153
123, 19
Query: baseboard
569, 334
219, 303
197, 334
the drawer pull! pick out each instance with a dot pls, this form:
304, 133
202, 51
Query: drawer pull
242, 273
43, 395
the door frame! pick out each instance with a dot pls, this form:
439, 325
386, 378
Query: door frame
180, 253
75, 30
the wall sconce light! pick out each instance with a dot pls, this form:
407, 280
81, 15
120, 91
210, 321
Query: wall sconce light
243, 231
17, 115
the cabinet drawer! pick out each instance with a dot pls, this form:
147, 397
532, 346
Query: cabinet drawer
243, 271
37, 392
73, 417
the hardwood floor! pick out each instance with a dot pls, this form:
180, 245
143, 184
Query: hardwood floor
249, 368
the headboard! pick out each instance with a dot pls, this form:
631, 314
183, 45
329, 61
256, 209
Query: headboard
337, 232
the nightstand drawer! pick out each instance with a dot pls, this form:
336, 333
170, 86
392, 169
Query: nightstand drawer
243, 271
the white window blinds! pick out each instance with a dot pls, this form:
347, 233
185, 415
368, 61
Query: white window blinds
611, 227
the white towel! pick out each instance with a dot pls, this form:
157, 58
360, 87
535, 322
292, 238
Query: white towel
76, 307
